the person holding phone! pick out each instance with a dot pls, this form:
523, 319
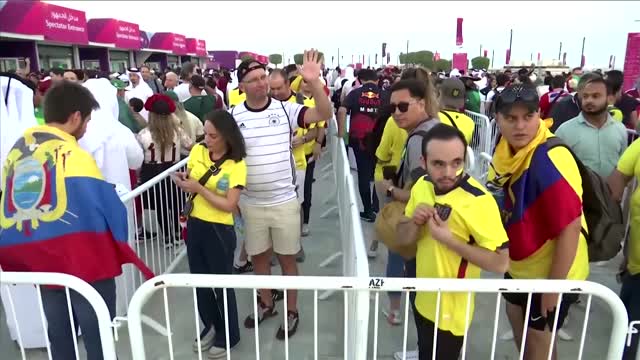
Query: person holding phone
216, 175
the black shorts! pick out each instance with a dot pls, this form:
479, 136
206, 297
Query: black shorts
536, 320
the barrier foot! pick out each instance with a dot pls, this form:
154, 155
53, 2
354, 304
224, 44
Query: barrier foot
154, 325
330, 259
329, 211
326, 294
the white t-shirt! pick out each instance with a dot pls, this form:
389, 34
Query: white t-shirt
152, 154
270, 166
195, 129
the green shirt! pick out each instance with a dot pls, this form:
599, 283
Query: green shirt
125, 116
200, 105
472, 101
599, 149
39, 115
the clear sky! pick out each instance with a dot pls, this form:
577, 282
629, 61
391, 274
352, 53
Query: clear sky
357, 28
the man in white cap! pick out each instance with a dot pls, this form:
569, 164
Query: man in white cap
138, 89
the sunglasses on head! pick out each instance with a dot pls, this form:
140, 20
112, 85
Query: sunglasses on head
403, 106
522, 93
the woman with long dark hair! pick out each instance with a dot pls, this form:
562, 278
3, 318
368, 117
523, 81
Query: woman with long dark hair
216, 174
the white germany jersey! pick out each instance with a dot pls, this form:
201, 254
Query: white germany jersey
270, 165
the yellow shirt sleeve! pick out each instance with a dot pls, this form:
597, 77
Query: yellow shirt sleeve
238, 176
383, 152
195, 155
486, 226
415, 198
629, 159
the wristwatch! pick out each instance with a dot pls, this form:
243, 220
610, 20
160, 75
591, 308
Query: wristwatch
390, 191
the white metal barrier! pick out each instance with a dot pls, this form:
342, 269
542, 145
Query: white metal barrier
360, 286
10, 280
481, 142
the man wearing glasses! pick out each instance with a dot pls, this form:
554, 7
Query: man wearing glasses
543, 216
269, 204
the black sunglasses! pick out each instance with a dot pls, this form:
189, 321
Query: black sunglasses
522, 93
403, 106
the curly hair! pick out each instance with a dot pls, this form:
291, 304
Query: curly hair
163, 129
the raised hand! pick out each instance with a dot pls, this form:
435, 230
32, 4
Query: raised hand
311, 65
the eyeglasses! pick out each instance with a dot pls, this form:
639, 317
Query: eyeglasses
403, 106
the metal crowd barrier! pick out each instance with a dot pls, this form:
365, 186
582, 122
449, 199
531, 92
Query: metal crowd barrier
360, 287
34, 313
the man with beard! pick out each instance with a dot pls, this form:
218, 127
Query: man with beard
594, 136
458, 230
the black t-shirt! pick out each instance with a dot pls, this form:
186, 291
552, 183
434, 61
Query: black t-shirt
363, 104
564, 110
627, 105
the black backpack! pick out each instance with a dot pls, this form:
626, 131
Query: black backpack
602, 213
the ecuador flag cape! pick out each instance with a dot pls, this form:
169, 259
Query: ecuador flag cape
539, 201
57, 214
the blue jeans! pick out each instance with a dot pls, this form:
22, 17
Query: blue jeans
54, 302
210, 248
395, 268
630, 296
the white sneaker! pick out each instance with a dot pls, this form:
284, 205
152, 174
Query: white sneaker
206, 340
564, 335
507, 336
305, 230
217, 353
411, 355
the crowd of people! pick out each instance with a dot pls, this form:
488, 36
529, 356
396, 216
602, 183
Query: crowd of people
252, 151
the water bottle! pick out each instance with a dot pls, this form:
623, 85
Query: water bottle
223, 185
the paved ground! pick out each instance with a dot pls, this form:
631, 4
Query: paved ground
323, 242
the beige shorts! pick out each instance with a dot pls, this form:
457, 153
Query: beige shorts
276, 227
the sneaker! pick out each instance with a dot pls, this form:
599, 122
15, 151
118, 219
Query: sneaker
411, 355
145, 235
292, 325
300, 256
372, 253
217, 353
264, 313
507, 336
564, 335
246, 268
207, 337
368, 217
393, 317
305, 230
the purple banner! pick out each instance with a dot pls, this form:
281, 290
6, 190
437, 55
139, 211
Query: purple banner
64, 25
144, 39
21, 17
174, 43
226, 59
632, 61
123, 34
198, 47
459, 61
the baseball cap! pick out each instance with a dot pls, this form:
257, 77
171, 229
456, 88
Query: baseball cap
118, 84
248, 66
452, 93
517, 94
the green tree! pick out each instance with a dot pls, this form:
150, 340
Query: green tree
298, 58
442, 65
423, 58
246, 57
275, 59
402, 58
480, 62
